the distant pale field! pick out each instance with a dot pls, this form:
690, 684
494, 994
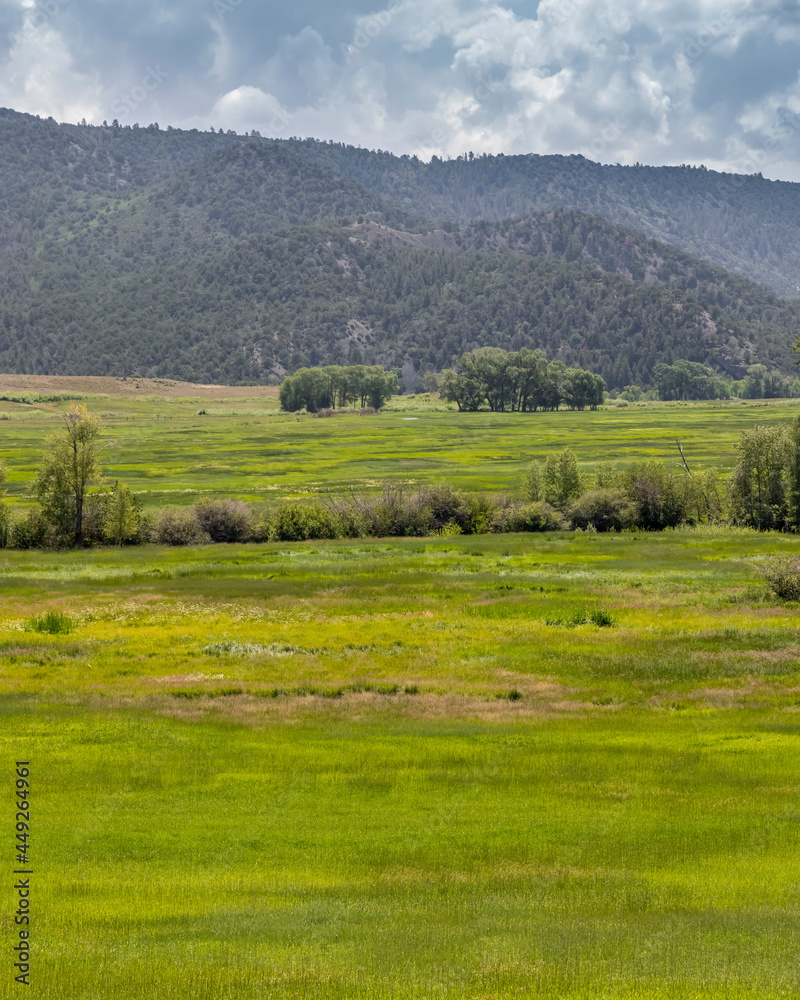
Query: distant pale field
242, 446
127, 387
393, 769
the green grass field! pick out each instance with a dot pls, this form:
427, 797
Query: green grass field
374, 770
406, 768
248, 449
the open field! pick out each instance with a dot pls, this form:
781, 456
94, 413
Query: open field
559, 766
244, 447
396, 770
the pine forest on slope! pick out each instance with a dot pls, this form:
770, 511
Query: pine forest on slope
217, 257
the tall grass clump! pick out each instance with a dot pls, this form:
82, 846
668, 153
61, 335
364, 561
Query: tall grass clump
596, 616
50, 623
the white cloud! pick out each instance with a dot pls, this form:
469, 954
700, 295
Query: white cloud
246, 108
649, 80
39, 75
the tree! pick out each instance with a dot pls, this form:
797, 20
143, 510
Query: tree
69, 467
794, 476
121, 521
455, 387
562, 480
533, 484
758, 492
378, 386
4, 515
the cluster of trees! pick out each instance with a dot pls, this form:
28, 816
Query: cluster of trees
517, 381
336, 386
689, 380
763, 383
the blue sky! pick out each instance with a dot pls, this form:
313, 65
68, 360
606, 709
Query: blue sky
616, 80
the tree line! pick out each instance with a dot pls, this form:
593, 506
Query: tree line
688, 380
519, 381
337, 386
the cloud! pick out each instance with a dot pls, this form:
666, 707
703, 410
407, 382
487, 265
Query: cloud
655, 81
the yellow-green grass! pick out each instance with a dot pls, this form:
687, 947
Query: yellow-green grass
465, 616
638, 855
372, 769
246, 448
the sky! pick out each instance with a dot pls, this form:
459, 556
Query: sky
715, 82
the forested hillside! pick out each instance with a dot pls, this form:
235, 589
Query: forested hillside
228, 258
741, 222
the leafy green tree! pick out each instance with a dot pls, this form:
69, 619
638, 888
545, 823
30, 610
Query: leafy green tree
758, 484
562, 480
69, 466
378, 386
121, 521
5, 517
794, 475
533, 484
463, 390
582, 389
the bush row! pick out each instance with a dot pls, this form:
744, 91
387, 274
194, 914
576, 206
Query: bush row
395, 512
763, 492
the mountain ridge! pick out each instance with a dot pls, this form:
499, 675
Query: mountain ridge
219, 257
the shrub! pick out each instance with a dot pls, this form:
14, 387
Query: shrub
31, 531
445, 504
433, 507
479, 511
387, 515
533, 517
296, 522
5, 525
603, 510
659, 498
597, 616
225, 520
174, 527
783, 576
147, 529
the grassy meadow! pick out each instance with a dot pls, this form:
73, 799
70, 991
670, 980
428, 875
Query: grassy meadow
170, 453
560, 766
